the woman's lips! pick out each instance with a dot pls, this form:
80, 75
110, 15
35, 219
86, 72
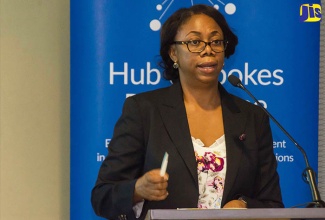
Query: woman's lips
208, 67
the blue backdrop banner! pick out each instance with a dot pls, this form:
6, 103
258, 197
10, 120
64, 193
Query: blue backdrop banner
115, 51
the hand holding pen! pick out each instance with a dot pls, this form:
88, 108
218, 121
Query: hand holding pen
152, 186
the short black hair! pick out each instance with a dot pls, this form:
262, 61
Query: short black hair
170, 28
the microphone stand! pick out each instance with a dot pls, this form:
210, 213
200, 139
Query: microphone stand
308, 173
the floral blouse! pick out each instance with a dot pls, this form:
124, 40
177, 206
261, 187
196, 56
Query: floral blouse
211, 169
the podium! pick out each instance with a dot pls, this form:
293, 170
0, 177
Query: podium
252, 214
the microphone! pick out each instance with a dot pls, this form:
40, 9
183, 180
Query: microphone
308, 173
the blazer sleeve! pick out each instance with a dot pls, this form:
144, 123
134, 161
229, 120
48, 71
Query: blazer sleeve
267, 193
112, 195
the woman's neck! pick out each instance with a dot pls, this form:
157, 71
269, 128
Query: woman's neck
204, 97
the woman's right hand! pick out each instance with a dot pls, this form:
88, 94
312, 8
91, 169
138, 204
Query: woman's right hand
151, 186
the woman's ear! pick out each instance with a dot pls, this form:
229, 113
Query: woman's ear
173, 53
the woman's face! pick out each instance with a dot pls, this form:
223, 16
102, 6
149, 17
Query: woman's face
203, 67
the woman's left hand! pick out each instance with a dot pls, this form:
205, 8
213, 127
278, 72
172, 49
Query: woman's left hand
235, 204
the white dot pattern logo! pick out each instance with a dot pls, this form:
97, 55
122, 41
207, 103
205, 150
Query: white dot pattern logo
155, 24
230, 8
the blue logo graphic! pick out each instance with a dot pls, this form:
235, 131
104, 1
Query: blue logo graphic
310, 13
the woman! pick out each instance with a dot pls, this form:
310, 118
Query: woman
220, 146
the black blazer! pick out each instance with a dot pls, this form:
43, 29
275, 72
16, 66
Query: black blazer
155, 122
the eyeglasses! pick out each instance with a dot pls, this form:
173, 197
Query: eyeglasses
197, 46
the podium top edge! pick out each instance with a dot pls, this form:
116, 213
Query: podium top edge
258, 213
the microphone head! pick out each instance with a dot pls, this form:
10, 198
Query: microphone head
234, 80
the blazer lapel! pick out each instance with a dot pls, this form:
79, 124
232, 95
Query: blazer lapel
174, 117
234, 126
173, 114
